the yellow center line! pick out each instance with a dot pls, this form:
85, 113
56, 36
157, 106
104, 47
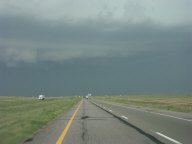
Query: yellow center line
63, 134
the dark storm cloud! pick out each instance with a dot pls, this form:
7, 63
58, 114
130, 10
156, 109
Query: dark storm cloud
31, 29
149, 73
58, 47
24, 39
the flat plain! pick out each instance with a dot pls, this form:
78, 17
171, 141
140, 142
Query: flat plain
20, 117
172, 103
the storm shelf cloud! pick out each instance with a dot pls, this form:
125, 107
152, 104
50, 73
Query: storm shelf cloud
101, 32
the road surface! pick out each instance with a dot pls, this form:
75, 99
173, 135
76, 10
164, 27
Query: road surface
89, 123
168, 127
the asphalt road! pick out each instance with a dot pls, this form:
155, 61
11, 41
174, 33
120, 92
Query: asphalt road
89, 123
168, 127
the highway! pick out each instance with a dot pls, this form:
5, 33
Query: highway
98, 122
168, 127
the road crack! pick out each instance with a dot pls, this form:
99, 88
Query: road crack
84, 118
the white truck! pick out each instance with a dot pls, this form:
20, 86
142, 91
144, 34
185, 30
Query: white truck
41, 97
87, 96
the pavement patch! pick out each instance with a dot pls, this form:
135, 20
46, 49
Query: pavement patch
84, 117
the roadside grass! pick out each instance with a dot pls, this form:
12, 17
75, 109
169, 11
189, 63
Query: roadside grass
172, 103
20, 117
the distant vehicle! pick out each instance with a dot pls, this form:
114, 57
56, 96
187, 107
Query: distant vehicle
87, 96
41, 97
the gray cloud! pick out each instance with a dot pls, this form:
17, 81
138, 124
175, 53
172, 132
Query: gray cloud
166, 12
27, 40
74, 47
147, 73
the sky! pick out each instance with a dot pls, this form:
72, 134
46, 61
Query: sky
103, 47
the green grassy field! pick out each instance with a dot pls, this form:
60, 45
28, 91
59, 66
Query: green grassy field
173, 103
22, 116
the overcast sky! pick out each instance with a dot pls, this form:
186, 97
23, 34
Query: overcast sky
104, 47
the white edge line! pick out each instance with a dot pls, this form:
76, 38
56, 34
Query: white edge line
124, 117
171, 116
154, 113
164, 136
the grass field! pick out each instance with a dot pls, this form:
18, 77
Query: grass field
173, 103
22, 116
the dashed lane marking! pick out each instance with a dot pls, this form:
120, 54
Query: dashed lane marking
124, 117
168, 138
